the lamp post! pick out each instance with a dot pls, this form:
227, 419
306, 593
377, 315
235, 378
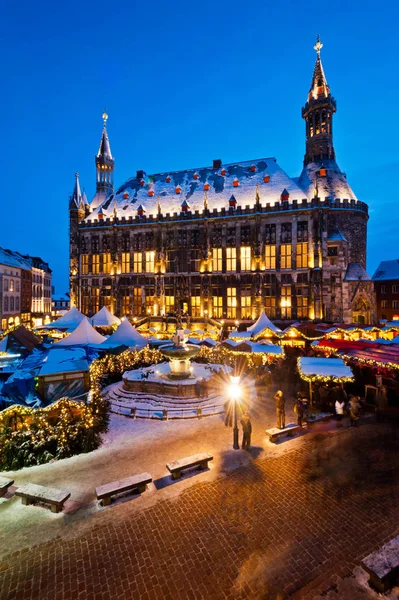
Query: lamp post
235, 394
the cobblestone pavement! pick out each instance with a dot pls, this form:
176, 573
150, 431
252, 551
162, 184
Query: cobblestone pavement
280, 527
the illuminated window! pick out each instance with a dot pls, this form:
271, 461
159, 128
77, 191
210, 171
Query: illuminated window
302, 255
270, 257
217, 304
85, 305
107, 302
11, 285
231, 302
84, 264
286, 302
231, 259
107, 263
245, 256
195, 306
302, 307
169, 304
270, 302
137, 299
285, 256
216, 259
150, 262
95, 264
125, 304
95, 299
137, 262
125, 262
246, 312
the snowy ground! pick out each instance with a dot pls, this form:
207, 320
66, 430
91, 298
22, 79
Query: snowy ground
130, 447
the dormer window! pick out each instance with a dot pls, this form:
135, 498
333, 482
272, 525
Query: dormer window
332, 251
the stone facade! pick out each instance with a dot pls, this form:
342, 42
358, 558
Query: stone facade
227, 241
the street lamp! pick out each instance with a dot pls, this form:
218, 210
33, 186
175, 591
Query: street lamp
235, 395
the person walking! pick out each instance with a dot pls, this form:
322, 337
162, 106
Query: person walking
381, 401
299, 409
246, 430
354, 409
280, 409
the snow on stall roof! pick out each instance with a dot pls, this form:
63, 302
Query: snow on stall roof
386, 270
65, 360
327, 367
263, 323
83, 335
69, 320
125, 335
104, 318
192, 189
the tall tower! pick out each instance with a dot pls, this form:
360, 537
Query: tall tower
318, 114
104, 163
76, 214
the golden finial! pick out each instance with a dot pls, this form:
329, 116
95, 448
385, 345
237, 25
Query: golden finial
105, 117
318, 45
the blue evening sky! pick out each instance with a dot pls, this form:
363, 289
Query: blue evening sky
184, 83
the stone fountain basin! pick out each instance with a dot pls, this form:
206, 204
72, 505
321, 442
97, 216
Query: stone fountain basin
179, 352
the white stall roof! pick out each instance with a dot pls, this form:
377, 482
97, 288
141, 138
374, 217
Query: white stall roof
69, 321
125, 335
104, 318
64, 360
83, 335
324, 367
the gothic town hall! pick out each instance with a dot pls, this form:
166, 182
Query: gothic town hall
227, 240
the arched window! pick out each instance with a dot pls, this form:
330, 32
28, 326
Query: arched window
12, 303
6, 304
323, 121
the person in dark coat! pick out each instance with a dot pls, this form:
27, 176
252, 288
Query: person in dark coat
299, 409
280, 409
246, 430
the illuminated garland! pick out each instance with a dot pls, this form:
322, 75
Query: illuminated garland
356, 359
222, 355
322, 378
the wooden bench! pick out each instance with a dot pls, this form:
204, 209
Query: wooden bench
30, 493
136, 482
383, 565
289, 430
4, 485
198, 460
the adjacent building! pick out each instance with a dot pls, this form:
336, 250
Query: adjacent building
386, 284
227, 240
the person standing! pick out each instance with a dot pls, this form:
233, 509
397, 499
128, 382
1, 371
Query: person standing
354, 410
339, 410
280, 409
246, 430
299, 409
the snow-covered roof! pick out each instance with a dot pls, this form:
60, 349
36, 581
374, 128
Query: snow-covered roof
263, 323
83, 335
69, 320
125, 335
104, 318
239, 179
332, 185
64, 360
356, 272
333, 368
387, 270
13, 259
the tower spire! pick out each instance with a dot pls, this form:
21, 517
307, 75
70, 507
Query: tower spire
76, 199
318, 112
104, 162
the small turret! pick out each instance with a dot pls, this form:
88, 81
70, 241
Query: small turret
104, 162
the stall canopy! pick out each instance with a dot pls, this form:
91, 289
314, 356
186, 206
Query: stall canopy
104, 318
261, 325
83, 335
384, 355
255, 348
324, 369
125, 335
67, 322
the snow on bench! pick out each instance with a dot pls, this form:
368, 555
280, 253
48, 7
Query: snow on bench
30, 493
289, 430
136, 482
4, 485
383, 565
198, 460
319, 418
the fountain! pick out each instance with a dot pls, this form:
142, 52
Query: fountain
179, 354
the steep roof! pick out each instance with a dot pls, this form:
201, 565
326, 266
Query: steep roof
104, 318
356, 272
13, 259
173, 188
69, 320
125, 335
105, 149
319, 85
83, 335
24, 338
387, 270
76, 200
332, 185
